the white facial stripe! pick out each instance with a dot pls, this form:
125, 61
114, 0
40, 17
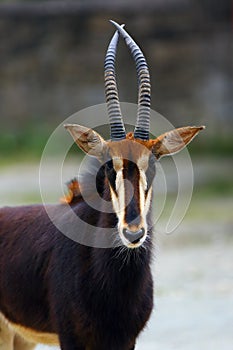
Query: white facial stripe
143, 180
142, 164
119, 181
147, 202
118, 200
142, 187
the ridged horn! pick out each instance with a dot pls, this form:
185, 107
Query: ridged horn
142, 127
117, 129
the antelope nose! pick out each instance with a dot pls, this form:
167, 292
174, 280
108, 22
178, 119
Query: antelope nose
132, 236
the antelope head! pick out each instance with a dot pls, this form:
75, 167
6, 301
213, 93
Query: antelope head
130, 159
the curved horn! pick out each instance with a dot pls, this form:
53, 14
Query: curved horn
142, 127
112, 99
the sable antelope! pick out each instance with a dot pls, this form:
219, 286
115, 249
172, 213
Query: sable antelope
55, 290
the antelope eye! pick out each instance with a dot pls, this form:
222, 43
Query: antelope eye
109, 165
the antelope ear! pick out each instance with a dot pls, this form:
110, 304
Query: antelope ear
87, 139
174, 141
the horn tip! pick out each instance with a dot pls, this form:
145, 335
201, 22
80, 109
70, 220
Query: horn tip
117, 25
113, 22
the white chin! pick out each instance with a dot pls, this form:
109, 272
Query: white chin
133, 245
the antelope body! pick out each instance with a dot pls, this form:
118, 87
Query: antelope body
54, 290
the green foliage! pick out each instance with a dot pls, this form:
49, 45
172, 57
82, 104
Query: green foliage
27, 142
217, 187
214, 145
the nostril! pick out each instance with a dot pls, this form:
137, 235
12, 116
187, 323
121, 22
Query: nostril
133, 237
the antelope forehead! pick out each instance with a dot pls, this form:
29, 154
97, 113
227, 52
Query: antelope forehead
141, 162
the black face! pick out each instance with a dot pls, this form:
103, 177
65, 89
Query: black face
126, 179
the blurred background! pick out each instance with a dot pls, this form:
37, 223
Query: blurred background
51, 66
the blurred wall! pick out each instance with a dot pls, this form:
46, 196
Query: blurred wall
52, 54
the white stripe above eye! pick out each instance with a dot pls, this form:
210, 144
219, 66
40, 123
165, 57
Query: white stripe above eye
142, 162
118, 200
117, 163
